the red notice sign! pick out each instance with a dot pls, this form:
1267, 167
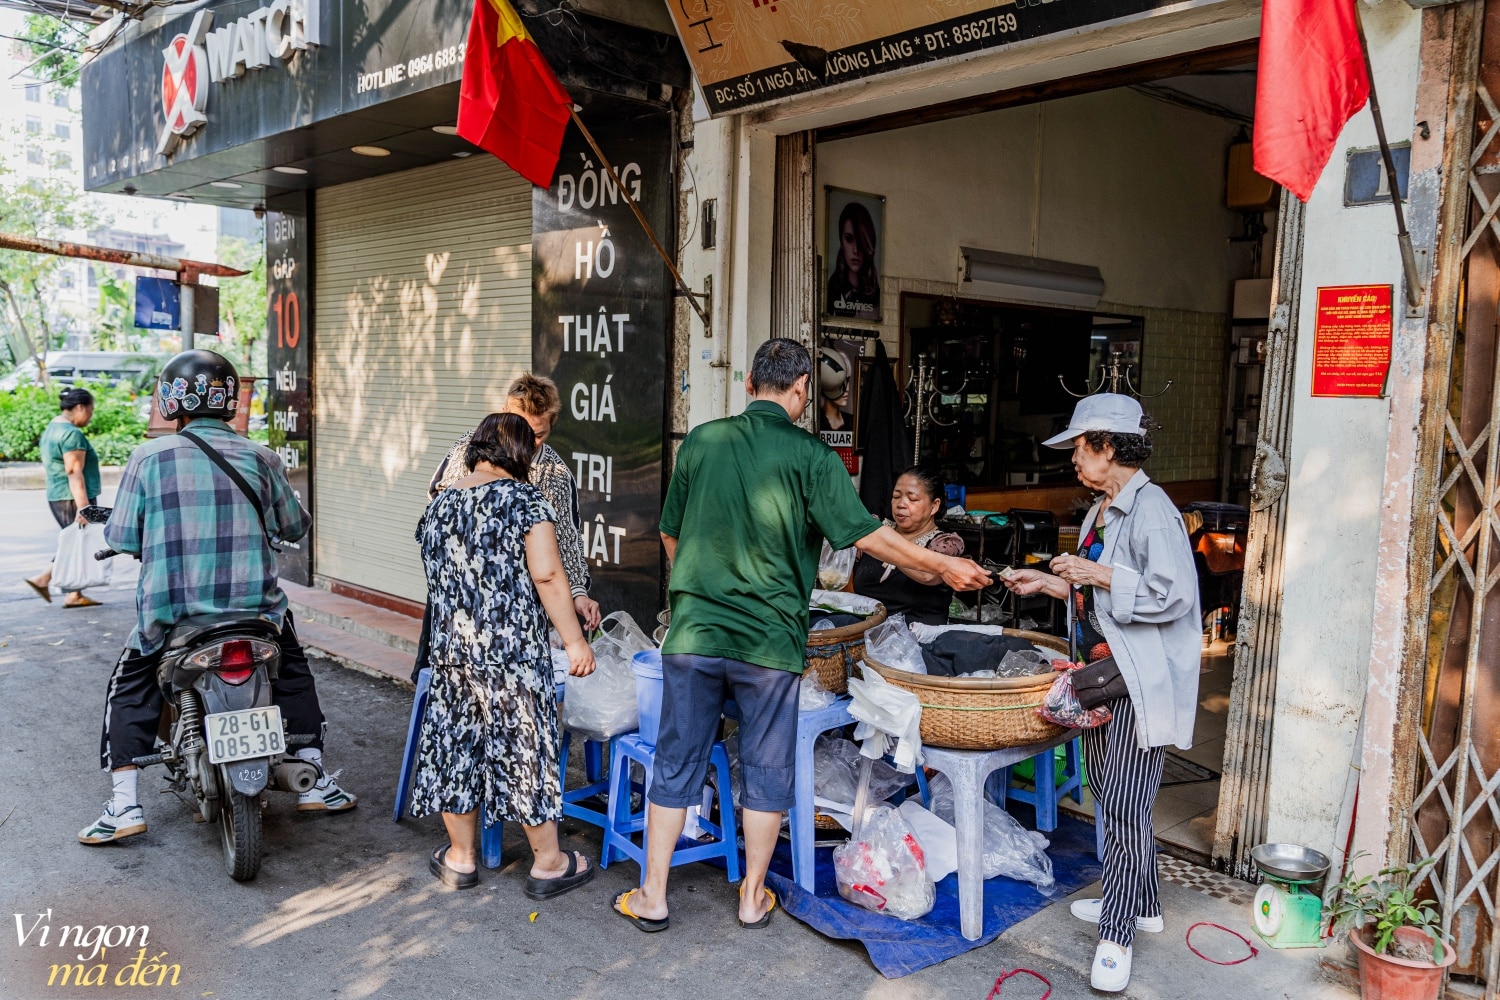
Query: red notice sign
1352, 341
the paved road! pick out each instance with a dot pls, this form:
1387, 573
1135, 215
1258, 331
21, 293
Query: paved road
344, 907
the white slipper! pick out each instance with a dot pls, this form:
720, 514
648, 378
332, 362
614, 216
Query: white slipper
1092, 909
1111, 972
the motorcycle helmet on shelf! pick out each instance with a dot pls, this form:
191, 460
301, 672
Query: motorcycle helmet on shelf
833, 373
198, 384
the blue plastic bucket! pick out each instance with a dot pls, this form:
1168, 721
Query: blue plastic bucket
647, 668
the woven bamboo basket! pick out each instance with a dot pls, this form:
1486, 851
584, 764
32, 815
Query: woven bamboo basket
981, 713
833, 652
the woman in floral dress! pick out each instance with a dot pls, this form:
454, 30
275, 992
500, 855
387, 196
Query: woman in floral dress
490, 734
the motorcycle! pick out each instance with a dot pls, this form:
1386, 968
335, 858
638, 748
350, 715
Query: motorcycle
222, 739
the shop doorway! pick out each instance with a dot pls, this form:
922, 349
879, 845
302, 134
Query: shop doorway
1017, 256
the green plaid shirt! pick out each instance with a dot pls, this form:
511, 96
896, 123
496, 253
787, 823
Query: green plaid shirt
201, 545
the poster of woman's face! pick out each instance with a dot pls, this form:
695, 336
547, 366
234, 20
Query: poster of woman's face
856, 226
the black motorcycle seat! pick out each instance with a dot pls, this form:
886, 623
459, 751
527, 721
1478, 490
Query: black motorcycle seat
197, 629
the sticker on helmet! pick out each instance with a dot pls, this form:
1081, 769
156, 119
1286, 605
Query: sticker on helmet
165, 389
169, 404
190, 402
216, 399
179, 388
202, 381
229, 384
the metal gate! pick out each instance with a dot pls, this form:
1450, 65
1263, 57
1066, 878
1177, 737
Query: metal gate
1454, 812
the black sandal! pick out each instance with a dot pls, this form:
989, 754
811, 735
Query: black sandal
438, 865
548, 888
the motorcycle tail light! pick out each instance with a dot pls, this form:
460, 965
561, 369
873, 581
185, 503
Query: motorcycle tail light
236, 655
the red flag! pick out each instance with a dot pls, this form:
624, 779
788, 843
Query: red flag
510, 103
1310, 82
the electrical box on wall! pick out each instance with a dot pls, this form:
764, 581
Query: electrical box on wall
1244, 189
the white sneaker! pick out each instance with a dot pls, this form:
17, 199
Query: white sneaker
1092, 909
1111, 972
326, 795
109, 828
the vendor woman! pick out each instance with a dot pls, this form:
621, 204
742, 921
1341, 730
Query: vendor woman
915, 503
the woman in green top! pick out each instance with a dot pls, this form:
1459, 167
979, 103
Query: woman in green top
72, 478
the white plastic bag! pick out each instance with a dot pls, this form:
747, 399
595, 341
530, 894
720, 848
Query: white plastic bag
938, 840
75, 567
891, 644
604, 704
887, 716
836, 769
1009, 848
884, 868
812, 695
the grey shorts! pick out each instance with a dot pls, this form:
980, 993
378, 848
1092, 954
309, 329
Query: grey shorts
694, 691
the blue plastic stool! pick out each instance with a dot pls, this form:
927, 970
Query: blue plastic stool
594, 773
810, 725
489, 833
625, 822
1046, 791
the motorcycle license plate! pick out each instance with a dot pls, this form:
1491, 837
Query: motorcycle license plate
254, 732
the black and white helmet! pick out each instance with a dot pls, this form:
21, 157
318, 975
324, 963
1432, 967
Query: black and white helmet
198, 384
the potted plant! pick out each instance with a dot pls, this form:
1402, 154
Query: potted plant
1402, 951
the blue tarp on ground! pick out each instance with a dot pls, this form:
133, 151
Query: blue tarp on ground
900, 947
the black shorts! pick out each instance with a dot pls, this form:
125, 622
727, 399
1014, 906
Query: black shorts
65, 512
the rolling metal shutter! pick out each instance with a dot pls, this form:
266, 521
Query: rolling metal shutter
423, 317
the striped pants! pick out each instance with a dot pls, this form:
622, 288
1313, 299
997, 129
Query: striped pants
1124, 780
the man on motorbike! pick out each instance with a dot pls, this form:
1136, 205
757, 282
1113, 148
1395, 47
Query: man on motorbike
204, 548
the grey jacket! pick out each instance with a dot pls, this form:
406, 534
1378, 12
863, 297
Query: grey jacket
1149, 615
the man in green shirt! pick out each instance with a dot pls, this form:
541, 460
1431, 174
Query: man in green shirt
72, 471
751, 500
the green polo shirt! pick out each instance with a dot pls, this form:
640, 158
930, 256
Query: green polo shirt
751, 499
59, 438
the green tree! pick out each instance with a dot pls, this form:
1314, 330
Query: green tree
113, 328
55, 45
43, 207
242, 302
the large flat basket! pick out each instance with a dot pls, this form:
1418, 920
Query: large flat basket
981, 713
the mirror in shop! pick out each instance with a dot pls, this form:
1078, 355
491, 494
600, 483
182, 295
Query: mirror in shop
990, 391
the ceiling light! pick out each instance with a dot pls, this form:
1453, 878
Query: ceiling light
289, 170
225, 184
370, 150
462, 153
446, 129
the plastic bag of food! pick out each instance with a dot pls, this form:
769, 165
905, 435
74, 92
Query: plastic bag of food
1023, 663
604, 704
1009, 848
883, 867
834, 566
891, 645
1060, 704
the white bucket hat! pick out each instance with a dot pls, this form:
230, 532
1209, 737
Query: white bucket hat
1107, 411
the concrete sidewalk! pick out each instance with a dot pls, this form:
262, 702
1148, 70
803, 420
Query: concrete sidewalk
31, 476
382, 644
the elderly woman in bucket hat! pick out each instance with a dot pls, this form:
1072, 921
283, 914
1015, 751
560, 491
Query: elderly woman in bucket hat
1132, 593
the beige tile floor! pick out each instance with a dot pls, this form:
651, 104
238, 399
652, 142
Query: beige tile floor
1184, 815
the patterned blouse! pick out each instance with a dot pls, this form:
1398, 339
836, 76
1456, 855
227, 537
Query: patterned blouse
485, 609
549, 473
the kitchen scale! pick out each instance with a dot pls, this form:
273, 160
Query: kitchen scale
1288, 905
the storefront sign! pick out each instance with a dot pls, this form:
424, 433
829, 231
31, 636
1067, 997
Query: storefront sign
289, 413
749, 54
1352, 341
600, 309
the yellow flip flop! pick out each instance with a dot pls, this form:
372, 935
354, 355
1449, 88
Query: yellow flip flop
646, 924
765, 921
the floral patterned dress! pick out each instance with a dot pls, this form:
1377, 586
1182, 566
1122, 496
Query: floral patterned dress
490, 733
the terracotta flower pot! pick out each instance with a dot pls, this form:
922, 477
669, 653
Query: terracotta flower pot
1386, 977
